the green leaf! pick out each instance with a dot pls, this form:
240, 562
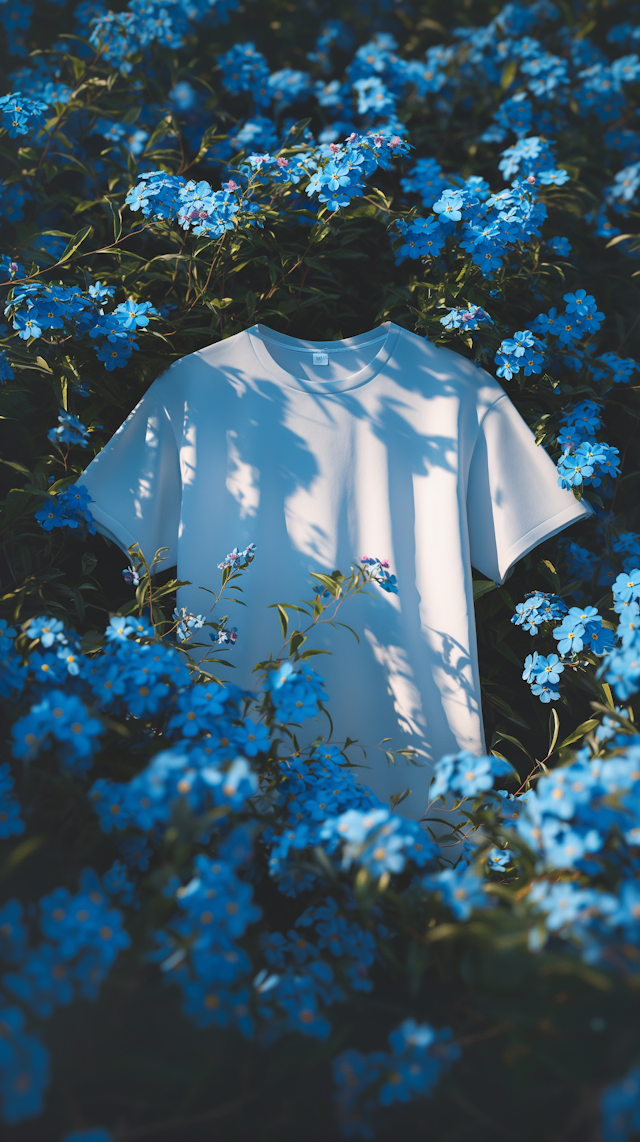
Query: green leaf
88, 563
327, 581
284, 619
114, 215
15, 505
620, 238
482, 587
397, 798
18, 467
514, 775
550, 574
505, 708
296, 641
501, 736
554, 730
580, 731
509, 73
295, 131
75, 242
20, 853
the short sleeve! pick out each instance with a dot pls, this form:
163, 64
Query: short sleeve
513, 498
134, 482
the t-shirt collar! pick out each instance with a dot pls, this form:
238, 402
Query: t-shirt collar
385, 350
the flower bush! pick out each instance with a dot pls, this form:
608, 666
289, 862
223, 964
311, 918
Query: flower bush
204, 926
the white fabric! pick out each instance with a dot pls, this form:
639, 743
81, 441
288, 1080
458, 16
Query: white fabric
394, 449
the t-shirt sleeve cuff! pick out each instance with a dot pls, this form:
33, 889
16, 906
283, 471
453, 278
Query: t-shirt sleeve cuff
544, 530
111, 528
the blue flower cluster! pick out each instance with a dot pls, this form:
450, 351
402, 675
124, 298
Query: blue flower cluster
609, 366
214, 909
589, 463
11, 823
238, 560
36, 309
620, 667
377, 840
467, 320
6, 372
215, 765
120, 35
460, 889
20, 115
295, 693
574, 820
467, 775
70, 430
207, 772
67, 509
419, 1057
24, 1067
522, 351
579, 423
620, 1108
485, 226
576, 630
333, 174
83, 936
539, 607
379, 573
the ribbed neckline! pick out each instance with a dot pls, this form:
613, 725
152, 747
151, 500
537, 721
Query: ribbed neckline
320, 388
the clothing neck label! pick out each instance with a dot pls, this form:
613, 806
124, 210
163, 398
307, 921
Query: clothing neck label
321, 358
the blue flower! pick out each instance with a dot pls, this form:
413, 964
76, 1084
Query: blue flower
43, 983
64, 717
46, 630
545, 691
27, 324
499, 859
461, 890
569, 634
449, 205
136, 852
295, 694
6, 372
70, 431
245, 69
24, 1068
11, 823
13, 934
561, 246
627, 587
620, 1108
238, 560
548, 669
465, 774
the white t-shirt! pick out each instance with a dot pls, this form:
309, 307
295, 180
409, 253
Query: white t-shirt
321, 453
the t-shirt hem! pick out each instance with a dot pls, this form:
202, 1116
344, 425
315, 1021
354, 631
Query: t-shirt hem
544, 530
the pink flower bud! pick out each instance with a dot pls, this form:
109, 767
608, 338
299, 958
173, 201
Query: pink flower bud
282, 162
